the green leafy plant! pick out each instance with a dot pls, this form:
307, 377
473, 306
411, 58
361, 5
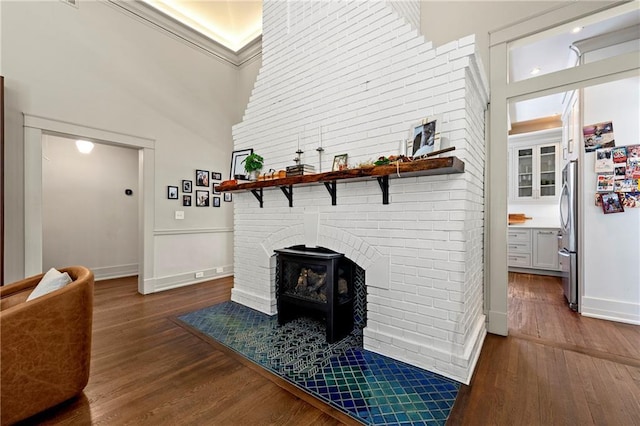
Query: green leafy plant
253, 162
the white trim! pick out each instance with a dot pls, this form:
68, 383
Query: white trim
472, 351
187, 278
159, 232
66, 129
556, 16
32, 201
497, 195
34, 128
611, 310
573, 77
117, 271
254, 301
158, 20
538, 137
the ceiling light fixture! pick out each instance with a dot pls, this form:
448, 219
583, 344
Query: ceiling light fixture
535, 71
576, 30
84, 147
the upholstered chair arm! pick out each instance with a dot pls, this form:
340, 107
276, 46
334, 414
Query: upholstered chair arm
46, 347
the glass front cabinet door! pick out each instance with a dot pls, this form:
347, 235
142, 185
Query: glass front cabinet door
534, 175
548, 165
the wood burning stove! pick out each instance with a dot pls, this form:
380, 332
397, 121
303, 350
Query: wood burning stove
316, 282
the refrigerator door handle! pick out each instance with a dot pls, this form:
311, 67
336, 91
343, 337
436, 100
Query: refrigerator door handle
564, 252
563, 194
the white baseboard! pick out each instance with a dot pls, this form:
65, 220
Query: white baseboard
118, 271
473, 349
254, 301
441, 361
498, 323
187, 278
611, 310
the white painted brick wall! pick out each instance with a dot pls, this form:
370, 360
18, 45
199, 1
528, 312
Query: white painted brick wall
358, 75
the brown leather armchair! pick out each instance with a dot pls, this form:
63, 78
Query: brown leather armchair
46, 344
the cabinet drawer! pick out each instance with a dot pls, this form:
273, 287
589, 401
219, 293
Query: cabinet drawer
519, 236
518, 247
519, 259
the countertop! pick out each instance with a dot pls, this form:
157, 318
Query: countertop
541, 222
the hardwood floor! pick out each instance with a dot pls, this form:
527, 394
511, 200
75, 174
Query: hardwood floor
555, 368
147, 370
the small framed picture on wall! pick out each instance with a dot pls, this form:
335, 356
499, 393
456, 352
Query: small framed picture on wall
202, 178
227, 197
186, 200
187, 186
202, 198
172, 192
216, 201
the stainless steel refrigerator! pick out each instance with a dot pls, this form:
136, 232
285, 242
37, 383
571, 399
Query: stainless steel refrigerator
568, 237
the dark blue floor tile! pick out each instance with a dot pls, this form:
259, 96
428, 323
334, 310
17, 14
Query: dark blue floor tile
372, 388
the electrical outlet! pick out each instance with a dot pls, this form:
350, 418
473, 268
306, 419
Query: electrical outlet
219, 270
199, 274
179, 214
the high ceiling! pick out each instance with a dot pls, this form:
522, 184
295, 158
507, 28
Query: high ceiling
232, 23
235, 23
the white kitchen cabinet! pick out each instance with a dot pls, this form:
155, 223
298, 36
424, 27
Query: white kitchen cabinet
533, 250
545, 248
519, 248
535, 166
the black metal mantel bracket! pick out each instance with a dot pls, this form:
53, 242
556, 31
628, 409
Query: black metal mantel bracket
383, 181
258, 194
288, 192
331, 187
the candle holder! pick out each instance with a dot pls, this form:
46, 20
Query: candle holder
320, 150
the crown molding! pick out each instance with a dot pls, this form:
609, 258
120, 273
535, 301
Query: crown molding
154, 18
250, 51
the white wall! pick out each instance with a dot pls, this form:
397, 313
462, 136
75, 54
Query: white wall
611, 243
87, 218
365, 75
98, 67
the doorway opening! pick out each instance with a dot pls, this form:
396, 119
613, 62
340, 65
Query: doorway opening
509, 89
34, 130
90, 206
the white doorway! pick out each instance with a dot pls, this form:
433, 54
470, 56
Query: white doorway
505, 90
35, 129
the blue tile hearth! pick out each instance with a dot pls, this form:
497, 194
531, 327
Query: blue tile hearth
371, 388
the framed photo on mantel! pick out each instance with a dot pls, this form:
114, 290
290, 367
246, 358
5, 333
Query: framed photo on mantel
424, 138
237, 167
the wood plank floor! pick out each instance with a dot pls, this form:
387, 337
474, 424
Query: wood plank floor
147, 370
555, 368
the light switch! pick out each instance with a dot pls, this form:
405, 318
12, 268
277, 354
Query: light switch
179, 214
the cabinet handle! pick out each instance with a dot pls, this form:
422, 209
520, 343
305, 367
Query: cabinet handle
545, 232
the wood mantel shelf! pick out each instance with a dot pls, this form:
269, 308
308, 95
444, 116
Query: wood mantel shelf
430, 166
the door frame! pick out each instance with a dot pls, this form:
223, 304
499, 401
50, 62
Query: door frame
34, 128
503, 92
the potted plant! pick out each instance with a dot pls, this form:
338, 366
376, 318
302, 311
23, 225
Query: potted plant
253, 164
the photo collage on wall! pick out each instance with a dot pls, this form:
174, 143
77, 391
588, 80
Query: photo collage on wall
203, 198
618, 177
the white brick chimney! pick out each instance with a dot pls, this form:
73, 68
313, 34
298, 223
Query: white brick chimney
357, 75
